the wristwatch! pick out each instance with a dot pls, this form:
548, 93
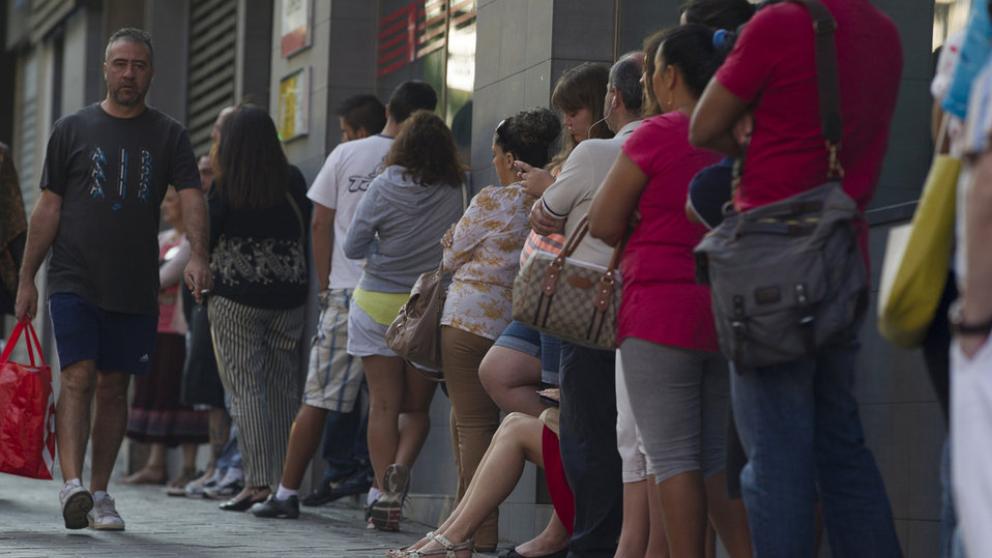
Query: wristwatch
960, 327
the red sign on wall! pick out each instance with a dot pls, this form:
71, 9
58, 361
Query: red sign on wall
414, 31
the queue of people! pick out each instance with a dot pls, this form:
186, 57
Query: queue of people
685, 428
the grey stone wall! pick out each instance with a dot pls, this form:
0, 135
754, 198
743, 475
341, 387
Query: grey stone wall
305, 152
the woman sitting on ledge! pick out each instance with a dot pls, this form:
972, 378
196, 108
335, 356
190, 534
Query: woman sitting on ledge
520, 438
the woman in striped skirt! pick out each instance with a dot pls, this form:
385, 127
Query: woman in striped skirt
258, 216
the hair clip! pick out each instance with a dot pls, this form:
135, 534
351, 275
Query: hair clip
720, 38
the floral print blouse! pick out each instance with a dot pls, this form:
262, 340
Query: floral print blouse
482, 250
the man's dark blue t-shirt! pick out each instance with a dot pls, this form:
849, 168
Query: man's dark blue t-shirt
112, 174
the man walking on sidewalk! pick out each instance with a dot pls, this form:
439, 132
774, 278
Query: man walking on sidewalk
105, 174
335, 377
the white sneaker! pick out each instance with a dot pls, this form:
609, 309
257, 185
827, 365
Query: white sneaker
76, 503
104, 516
197, 488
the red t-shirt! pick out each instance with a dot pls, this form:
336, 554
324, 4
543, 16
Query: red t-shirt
773, 68
662, 303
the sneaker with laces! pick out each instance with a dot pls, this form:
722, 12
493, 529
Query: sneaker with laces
104, 516
76, 503
231, 484
199, 487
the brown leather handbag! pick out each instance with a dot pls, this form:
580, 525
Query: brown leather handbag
415, 334
570, 299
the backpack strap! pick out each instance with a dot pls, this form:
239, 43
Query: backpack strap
827, 80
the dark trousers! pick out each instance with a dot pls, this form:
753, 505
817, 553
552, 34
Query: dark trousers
589, 448
345, 445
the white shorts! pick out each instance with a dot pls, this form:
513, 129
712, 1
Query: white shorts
633, 461
366, 337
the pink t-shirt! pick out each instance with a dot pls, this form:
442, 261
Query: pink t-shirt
662, 303
773, 68
168, 297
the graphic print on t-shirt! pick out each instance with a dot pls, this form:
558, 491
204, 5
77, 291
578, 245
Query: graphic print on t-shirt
360, 182
98, 173
98, 176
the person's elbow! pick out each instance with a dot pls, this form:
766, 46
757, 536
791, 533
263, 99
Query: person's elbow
48, 207
353, 252
701, 135
607, 232
354, 248
192, 198
321, 223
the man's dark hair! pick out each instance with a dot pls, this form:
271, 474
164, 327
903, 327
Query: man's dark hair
718, 14
409, 97
690, 48
251, 170
363, 112
625, 78
131, 35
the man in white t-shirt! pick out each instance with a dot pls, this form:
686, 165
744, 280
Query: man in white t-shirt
334, 379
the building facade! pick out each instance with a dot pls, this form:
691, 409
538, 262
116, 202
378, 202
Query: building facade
488, 59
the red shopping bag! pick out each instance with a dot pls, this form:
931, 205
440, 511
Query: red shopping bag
27, 410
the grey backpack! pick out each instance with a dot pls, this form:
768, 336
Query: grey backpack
788, 278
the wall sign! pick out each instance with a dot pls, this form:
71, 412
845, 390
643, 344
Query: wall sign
294, 105
297, 16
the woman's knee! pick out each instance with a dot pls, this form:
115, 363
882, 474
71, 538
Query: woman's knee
489, 374
516, 425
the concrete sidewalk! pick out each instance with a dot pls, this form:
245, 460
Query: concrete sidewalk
159, 525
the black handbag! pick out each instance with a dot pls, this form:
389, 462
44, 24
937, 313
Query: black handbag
201, 384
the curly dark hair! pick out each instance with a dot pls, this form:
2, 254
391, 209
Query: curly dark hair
426, 150
528, 135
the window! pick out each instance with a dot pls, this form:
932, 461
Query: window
432, 40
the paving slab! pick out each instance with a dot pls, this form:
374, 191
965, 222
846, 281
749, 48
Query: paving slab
159, 526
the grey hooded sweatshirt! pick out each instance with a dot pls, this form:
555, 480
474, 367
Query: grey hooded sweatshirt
398, 228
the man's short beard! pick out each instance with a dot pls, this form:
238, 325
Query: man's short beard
133, 101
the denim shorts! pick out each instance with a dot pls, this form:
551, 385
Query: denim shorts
523, 339
118, 342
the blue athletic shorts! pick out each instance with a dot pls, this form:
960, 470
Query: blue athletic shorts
118, 342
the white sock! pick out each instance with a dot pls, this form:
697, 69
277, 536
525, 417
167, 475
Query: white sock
284, 493
374, 495
74, 482
100, 495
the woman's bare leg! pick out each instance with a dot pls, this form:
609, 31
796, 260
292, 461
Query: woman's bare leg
512, 379
635, 530
657, 541
683, 502
153, 472
415, 416
553, 538
386, 382
728, 517
518, 440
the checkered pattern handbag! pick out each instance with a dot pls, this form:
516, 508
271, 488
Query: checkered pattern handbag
570, 299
